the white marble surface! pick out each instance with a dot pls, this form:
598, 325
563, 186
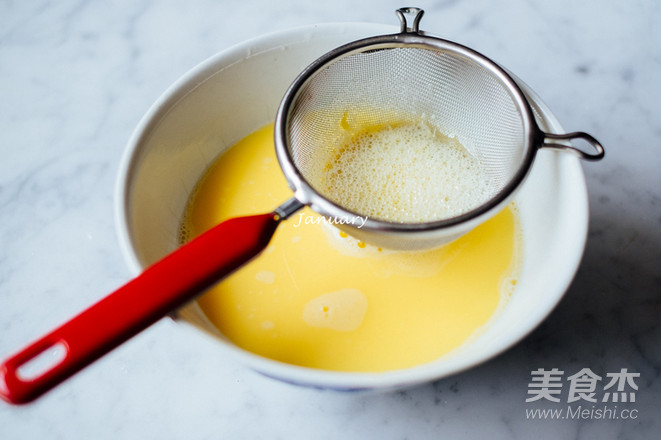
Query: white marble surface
75, 78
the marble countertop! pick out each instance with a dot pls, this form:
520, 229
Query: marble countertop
77, 76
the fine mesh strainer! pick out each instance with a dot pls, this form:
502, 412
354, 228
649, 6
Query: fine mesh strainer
376, 81
385, 79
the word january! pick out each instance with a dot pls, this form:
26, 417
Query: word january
310, 220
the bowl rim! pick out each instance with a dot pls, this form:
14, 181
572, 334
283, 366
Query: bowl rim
311, 377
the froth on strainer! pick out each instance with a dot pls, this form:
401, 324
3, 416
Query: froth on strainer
405, 172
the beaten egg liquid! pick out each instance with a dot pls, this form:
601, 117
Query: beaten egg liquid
318, 298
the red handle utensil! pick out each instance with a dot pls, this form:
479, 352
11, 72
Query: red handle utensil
160, 289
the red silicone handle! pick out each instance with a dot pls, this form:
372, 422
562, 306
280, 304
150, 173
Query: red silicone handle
160, 289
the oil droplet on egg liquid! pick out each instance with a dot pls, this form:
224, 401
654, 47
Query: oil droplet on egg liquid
319, 298
343, 310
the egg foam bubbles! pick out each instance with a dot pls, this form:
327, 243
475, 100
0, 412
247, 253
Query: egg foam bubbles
405, 173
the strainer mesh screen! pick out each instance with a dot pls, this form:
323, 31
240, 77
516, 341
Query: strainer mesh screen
446, 89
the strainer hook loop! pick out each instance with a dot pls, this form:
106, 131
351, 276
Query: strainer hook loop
416, 13
598, 153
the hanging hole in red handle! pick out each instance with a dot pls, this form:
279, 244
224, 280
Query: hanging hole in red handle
42, 362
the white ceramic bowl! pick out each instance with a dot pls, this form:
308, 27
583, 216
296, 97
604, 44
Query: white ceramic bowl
237, 91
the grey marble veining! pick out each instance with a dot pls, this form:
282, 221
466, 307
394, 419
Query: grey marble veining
77, 76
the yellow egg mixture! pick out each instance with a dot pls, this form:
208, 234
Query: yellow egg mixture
318, 298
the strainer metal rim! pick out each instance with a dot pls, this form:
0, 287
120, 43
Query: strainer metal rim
307, 195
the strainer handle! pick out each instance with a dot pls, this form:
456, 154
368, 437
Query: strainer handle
598, 153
